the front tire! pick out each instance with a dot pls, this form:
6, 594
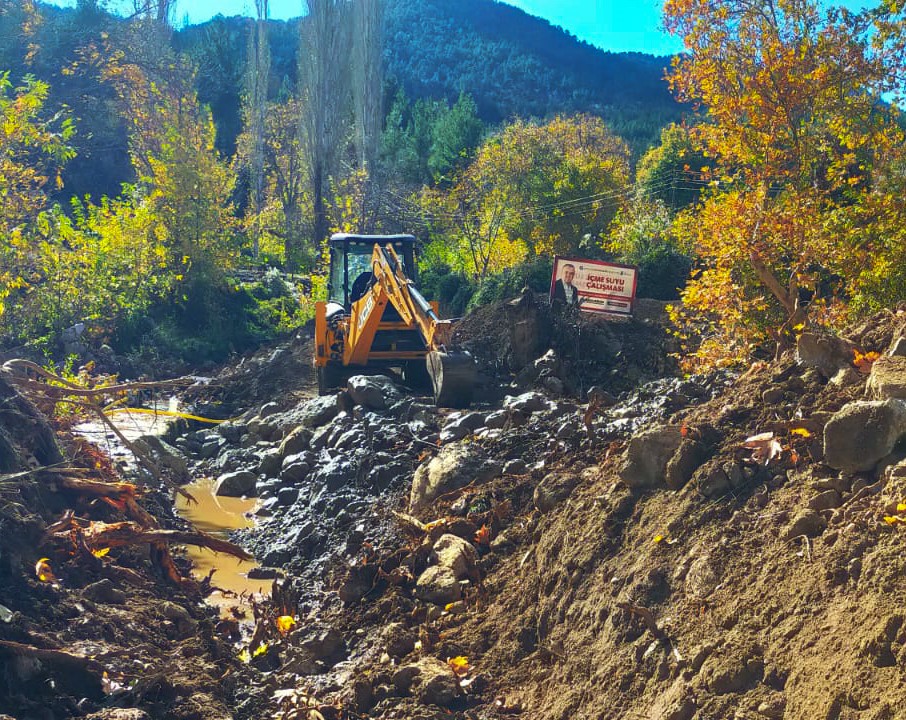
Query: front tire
330, 377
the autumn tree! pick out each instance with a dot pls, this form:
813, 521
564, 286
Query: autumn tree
551, 188
255, 105
324, 81
33, 150
794, 120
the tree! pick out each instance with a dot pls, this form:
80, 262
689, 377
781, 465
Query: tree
256, 91
455, 135
674, 171
562, 181
33, 150
794, 120
324, 83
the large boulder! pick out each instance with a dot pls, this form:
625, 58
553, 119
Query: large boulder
235, 484
554, 489
438, 585
527, 403
862, 433
456, 554
375, 392
826, 353
317, 412
888, 378
431, 681
455, 466
647, 457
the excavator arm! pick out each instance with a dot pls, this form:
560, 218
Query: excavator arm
452, 373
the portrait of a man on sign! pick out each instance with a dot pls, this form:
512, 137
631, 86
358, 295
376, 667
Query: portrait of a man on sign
594, 286
565, 290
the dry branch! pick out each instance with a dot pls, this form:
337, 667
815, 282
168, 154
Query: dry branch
59, 658
103, 535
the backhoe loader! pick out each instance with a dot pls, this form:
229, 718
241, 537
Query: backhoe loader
376, 320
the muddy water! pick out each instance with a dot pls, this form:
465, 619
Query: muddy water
212, 514
218, 516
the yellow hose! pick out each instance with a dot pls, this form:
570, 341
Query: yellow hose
167, 413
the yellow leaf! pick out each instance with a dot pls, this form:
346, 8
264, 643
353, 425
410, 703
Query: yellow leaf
245, 656
285, 623
658, 538
901, 507
459, 664
260, 650
44, 571
100, 552
801, 432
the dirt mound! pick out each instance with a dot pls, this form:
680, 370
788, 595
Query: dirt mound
702, 560
614, 353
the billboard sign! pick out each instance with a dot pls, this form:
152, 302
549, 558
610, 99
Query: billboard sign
594, 286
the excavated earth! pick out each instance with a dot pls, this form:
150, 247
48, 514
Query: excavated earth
597, 537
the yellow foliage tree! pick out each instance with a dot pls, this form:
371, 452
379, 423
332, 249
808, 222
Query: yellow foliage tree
795, 124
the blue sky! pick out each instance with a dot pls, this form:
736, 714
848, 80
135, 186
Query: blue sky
617, 26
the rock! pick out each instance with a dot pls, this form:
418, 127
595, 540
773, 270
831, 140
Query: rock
806, 522
683, 464
647, 457
287, 496
119, 714
772, 395
462, 427
773, 708
318, 412
431, 681
177, 614
846, 377
375, 392
887, 378
524, 329
899, 347
211, 448
270, 463
825, 353
554, 489
232, 432
455, 466
826, 500
862, 433
104, 591
297, 441
295, 469
399, 640
529, 402
438, 585
458, 555
358, 583
515, 467
235, 484
600, 397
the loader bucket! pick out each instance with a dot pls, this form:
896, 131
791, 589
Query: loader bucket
453, 377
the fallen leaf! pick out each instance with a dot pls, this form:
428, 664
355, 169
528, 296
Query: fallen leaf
864, 361
285, 623
764, 447
260, 650
459, 665
901, 507
44, 571
658, 538
801, 432
483, 535
245, 656
100, 552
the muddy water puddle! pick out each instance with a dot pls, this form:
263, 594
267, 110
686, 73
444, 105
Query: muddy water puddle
211, 514
218, 516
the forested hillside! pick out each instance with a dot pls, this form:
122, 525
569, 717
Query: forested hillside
511, 63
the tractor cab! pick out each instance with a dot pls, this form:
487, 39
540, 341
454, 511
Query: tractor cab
350, 264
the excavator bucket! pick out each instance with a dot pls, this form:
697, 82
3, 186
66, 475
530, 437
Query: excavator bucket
453, 377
